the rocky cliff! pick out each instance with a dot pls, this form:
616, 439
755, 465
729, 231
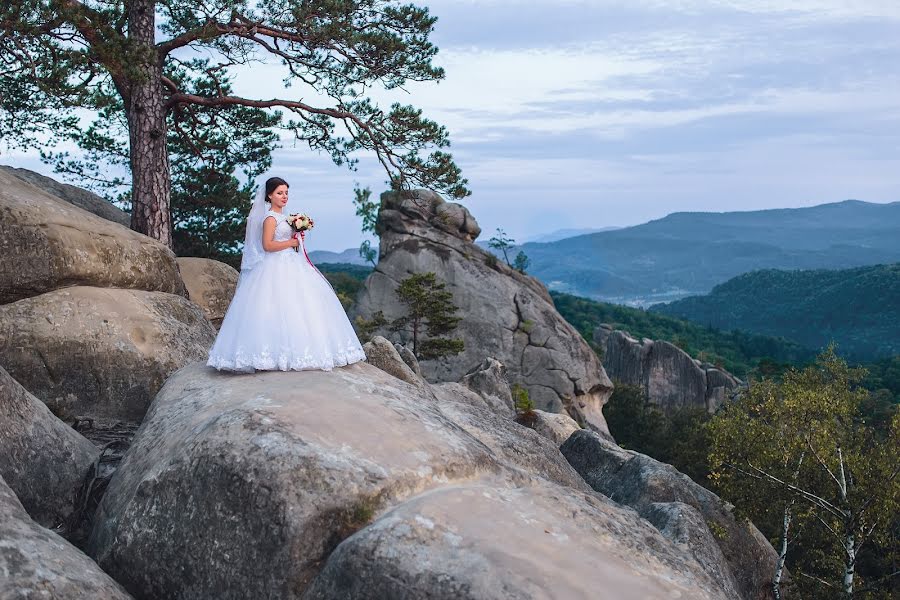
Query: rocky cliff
507, 315
669, 377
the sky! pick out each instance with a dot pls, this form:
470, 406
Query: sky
595, 113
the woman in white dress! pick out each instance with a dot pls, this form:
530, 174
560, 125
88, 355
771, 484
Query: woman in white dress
284, 314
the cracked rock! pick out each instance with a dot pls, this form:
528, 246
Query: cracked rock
506, 314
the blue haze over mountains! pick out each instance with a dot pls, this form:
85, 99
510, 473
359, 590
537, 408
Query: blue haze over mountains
688, 253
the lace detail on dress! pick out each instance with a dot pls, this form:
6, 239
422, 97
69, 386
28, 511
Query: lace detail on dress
287, 359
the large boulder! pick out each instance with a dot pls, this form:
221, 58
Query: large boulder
89, 351
638, 481
553, 426
41, 458
242, 486
210, 285
668, 376
506, 314
37, 563
47, 243
383, 354
491, 542
81, 198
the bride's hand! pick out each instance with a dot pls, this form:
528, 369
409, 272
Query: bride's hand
295, 243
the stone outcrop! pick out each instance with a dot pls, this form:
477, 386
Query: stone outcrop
383, 354
210, 285
353, 483
489, 381
81, 198
506, 314
684, 511
37, 563
42, 459
47, 244
484, 542
555, 427
669, 377
89, 351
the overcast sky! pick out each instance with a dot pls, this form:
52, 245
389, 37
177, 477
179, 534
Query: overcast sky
595, 113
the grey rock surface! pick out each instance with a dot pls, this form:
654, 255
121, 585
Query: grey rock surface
638, 481
81, 198
409, 358
47, 243
555, 427
669, 377
210, 285
505, 314
488, 380
491, 542
42, 459
242, 486
98, 352
37, 563
383, 354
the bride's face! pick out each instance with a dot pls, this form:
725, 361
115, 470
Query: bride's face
279, 196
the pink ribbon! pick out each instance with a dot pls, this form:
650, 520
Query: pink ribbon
302, 245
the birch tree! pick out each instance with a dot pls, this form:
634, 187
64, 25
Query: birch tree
801, 448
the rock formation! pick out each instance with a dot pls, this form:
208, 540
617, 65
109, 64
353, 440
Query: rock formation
353, 483
41, 458
100, 352
732, 551
81, 198
669, 377
47, 244
507, 315
210, 285
37, 563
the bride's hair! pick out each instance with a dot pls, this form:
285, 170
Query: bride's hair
272, 183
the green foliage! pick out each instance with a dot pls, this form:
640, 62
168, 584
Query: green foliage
678, 439
368, 210
62, 59
430, 310
502, 243
366, 328
739, 353
859, 308
804, 445
521, 399
521, 262
346, 279
490, 260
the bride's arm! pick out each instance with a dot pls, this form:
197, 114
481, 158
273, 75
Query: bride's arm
268, 238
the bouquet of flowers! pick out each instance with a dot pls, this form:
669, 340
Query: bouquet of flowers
300, 223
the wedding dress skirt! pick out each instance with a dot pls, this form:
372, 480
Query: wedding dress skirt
284, 316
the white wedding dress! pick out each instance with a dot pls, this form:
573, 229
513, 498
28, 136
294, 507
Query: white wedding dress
284, 315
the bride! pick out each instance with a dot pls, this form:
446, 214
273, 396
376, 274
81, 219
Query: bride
284, 314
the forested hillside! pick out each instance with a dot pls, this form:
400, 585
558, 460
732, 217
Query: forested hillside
859, 308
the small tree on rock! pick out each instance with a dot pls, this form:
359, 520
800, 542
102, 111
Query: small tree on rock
431, 312
368, 210
522, 262
502, 243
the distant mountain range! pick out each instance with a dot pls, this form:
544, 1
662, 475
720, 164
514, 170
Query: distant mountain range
561, 234
349, 256
687, 254
857, 308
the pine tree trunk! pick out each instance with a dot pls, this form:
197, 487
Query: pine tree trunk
151, 180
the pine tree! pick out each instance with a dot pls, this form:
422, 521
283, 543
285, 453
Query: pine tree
431, 312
